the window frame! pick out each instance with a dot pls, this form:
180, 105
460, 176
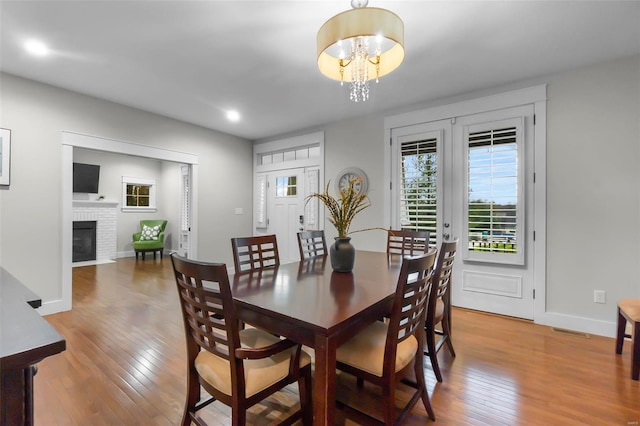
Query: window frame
129, 180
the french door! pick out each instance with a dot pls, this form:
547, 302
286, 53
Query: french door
471, 179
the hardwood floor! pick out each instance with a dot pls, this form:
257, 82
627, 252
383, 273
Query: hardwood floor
125, 365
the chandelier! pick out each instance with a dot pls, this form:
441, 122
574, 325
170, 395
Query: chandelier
360, 44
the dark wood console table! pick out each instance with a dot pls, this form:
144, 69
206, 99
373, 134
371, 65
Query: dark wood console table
25, 339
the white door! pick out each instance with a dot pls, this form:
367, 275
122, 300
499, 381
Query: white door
285, 210
482, 193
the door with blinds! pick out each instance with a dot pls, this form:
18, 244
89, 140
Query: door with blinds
471, 178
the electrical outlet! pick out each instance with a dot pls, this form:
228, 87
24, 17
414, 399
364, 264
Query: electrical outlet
239, 210
599, 296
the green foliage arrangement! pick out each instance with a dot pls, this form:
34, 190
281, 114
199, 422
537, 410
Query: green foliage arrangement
345, 208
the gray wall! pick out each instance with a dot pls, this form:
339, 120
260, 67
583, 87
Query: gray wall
593, 184
30, 209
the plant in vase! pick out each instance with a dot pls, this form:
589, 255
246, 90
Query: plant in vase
342, 211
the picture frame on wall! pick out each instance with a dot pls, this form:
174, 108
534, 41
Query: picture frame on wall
5, 156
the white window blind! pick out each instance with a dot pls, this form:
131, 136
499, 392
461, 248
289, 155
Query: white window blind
418, 189
493, 189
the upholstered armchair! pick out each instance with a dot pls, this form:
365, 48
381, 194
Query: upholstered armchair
150, 237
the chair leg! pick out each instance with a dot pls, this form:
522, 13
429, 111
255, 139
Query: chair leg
389, 403
446, 329
622, 324
433, 356
137, 254
143, 254
422, 386
635, 353
154, 255
193, 396
304, 388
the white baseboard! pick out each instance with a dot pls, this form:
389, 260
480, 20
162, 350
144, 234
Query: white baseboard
585, 325
53, 307
132, 253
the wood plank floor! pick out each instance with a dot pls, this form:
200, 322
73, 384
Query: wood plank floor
125, 365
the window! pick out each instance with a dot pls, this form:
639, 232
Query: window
286, 186
493, 196
418, 186
138, 194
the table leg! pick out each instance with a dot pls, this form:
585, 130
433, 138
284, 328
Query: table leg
324, 383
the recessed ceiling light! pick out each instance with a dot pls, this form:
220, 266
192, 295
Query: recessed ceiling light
36, 47
233, 115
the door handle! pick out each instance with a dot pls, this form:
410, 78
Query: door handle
446, 237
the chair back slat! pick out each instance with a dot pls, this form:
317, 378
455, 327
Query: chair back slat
253, 253
407, 243
410, 303
312, 244
442, 272
207, 306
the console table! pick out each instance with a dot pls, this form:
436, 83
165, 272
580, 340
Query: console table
25, 339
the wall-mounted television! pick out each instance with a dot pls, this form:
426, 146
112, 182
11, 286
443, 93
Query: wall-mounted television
86, 178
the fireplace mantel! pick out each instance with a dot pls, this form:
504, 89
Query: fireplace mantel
88, 203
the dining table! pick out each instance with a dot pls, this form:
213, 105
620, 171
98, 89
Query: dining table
307, 302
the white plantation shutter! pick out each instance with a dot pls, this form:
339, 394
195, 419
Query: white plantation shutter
418, 189
494, 192
185, 200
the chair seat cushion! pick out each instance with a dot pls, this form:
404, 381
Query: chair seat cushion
148, 245
365, 351
259, 373
631, 307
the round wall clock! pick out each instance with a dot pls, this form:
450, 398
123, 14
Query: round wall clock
345, 176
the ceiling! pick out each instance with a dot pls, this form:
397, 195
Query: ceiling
194, 60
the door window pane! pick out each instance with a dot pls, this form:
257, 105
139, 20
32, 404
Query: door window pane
492, 191
418, 190
286, 186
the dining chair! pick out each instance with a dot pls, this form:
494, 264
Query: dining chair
312, 244
236, 367
385, 352
253, 253
629, 310
407, 243
439, 311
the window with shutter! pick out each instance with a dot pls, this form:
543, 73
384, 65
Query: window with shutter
494, 192
418, 189
185, 204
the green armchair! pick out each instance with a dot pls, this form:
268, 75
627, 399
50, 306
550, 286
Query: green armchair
150, 237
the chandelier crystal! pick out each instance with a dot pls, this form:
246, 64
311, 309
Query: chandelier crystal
375, 40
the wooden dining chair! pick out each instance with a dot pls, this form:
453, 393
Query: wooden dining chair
236, 367
407, 243
253, 253
629, 311
385, 352
438, 321
311, 244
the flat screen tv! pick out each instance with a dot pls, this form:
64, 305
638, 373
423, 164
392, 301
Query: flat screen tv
86, 178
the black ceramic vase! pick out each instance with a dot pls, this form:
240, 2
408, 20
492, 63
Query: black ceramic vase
342, 255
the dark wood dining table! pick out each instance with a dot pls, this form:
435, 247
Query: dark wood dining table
311, 304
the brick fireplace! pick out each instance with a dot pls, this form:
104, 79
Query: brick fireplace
105, 215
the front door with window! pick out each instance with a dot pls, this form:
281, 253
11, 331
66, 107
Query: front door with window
472, 179
286, 198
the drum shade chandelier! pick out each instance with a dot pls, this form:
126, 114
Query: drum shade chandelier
360, 44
